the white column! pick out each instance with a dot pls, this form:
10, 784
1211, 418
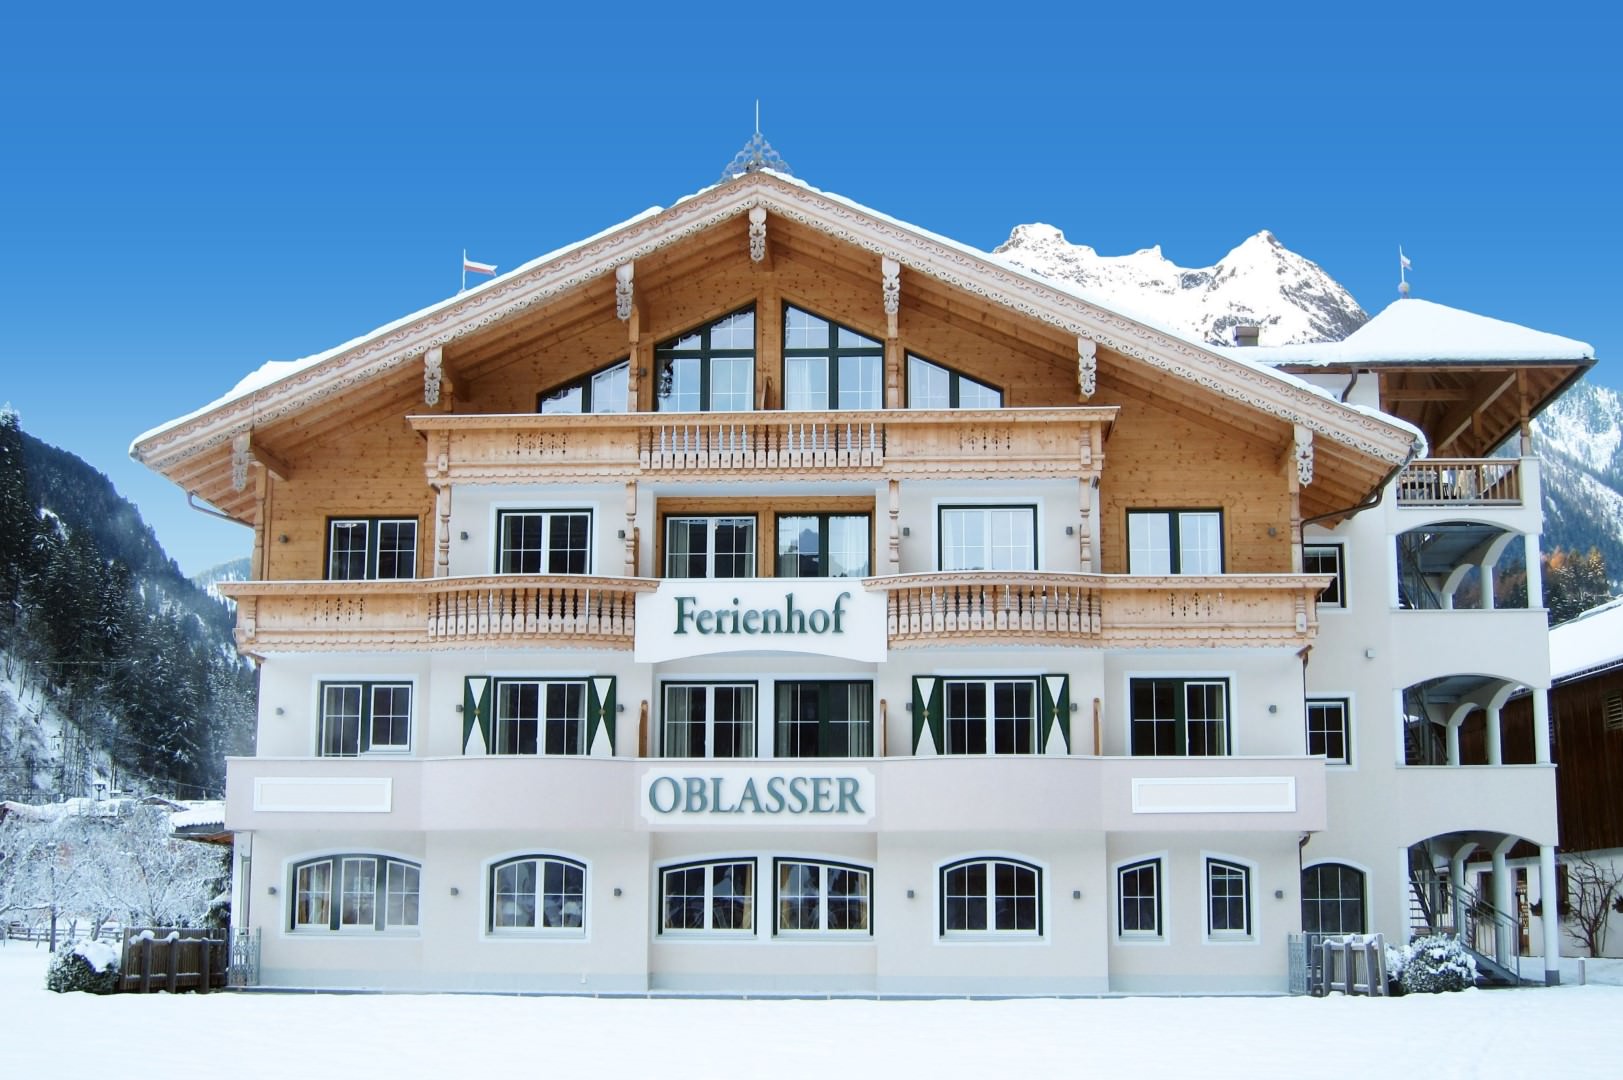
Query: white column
1397, 728
1541, 725
1504, 895
1405, 898
1496, 754
1535, 579
1551, 919
1485, 570
1457, 885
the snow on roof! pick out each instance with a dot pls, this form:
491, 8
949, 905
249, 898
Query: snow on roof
1420, 331
277, 370
1592, 640
196, 814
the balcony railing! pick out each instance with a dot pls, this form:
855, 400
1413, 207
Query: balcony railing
1461, 482
731, 446
437, 612
1123, 611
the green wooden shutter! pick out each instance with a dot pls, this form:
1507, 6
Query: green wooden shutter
1056, 711
600, 710
927, 713
476, 693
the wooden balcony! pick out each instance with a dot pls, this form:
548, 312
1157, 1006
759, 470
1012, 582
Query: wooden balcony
526, 448
1100, 610
1461, 482
437, 613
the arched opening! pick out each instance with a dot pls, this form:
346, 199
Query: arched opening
1451, 565
1455, 720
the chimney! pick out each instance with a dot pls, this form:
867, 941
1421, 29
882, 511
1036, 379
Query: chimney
1246, 334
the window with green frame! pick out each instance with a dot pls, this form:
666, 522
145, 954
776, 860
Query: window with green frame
824, 718
1174, 541
366, 548
364, 718
1178, 717
602, 391
826, 365
934, 386
710, 369
823, 545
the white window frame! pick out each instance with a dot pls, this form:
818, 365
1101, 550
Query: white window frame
710, 523
384, 867
710, 686
542, 717
368, 687
822, 929
708, 898
1211, 862
547, 514
991, 932
1176, 552
1344, 701
1157, 862
1185, 679
538, 896
989, 682
1340, 550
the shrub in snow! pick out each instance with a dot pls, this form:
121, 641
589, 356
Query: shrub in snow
91, 966
1432, 965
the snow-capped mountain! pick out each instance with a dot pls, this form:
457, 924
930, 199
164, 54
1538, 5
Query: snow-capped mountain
1261, 283
235, 570
1293, 300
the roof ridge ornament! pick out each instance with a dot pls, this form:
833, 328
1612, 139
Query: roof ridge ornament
756, 155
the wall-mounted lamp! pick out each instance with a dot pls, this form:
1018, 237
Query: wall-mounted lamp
281, 538
463, 535
1075, 706
459, 706
1076, 894
1279, 894
1272, 531
908, 706
1070, 530
455, 891
909, 893
280, 711
619, 534
1369, 654
619, 706
270, 889
617, 890
906, 531
1272, 709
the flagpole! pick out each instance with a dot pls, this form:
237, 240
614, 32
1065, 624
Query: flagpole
464, 271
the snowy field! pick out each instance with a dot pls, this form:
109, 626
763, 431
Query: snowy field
1527, 1034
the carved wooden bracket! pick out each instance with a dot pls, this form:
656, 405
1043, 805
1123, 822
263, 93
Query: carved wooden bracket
433, 371
245, 453
1304, 455
757, 233
891, 272
622, 290
1087, 366
239, 462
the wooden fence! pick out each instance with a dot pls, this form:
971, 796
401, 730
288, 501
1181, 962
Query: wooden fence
164, 959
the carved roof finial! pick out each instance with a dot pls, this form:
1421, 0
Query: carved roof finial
756, 155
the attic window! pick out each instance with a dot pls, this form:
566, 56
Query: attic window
1612, 710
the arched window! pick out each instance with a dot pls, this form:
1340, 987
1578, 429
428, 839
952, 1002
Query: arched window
537, 892
991, 896
1333, 899
355, 892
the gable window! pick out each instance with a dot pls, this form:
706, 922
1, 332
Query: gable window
1174, 541
1332, 899
991, 896
542, 892
827, 366
355, 892
1228, 899
1327, 730
824, 719
822, 545
711, 369
1179, 717
932, 386
600, 392
988, 537
709, 720
709, 547
990, 716
1138, 899
1327, 559
819, 897
544, 541
371, 548
365, 717
713, 896
540, 717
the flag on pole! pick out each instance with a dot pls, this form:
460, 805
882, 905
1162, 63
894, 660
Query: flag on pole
1403, 260
471, 267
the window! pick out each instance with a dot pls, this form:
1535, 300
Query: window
709, 720
709, 547
822, 545
1179, 717
600, 392
1333, 900
540, 717
824, 719
717, 896
544, 542
990, 716
818, 897
931, 386
371, 548
711, 369
538, 893
1174, 541
1138, 899
991, 896
355, 892
1327, 559
825, 365
365, 718
988, 537
1228, 899
1327, 732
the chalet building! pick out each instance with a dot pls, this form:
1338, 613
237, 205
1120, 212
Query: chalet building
768, 595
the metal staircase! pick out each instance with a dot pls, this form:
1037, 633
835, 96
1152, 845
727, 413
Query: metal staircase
1440, 906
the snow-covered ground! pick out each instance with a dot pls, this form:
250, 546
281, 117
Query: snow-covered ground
1507, 1033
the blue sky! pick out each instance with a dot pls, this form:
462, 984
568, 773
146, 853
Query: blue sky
188, 192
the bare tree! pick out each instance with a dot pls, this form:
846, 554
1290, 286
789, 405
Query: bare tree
1592, 892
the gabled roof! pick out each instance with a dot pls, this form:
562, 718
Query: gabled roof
281, 390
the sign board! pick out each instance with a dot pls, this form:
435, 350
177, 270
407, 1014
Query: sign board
708, 793
820, 616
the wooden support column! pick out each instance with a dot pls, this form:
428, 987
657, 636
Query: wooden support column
259, 559
890, 293
1526, 423
1298, 474
438, 468
768, 344
631, 528
895, 542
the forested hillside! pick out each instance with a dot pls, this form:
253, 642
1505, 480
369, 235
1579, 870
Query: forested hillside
113, 666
